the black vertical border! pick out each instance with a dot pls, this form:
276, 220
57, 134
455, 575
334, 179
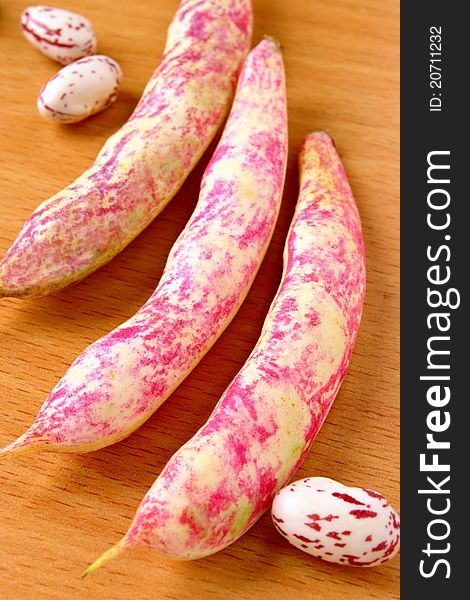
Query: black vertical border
423, 131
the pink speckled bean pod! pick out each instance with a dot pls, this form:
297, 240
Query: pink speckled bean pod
120, 380
222, 480
143, 165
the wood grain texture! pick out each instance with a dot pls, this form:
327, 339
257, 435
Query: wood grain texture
57, 513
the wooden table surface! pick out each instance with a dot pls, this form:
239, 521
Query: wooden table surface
58, 512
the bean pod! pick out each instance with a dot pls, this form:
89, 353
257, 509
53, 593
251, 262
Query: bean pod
60, 34
222, 480
80, 90
345, 525
143, 165
120, 380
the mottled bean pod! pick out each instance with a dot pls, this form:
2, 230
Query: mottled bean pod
142, 166
222, 480
120, 380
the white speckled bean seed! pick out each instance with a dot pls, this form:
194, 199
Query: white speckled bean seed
345, 525
60, 34
80, 89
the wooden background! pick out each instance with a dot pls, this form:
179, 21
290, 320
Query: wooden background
57, 513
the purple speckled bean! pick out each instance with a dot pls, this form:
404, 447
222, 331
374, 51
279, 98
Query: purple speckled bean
120, 380
350, 526
143, 165
222, 480
60, 34
81, 89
